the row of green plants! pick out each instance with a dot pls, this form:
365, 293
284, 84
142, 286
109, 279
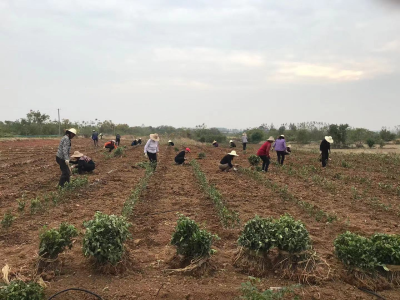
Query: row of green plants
368, 253
134, 197
250, 291
319, 214
228, 217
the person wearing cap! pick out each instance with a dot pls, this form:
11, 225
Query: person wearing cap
82, 162
263, 153
139, 141
101, 135
95, 138
110, 145
215, 144
152, 148
232, 144
288, 150
180, 158
325, 150
226, 163
118, 139
244, 141
280, 148
62, 156
171, 143
135, 142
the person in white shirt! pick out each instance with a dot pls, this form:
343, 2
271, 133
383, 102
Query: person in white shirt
152, 148
244, 141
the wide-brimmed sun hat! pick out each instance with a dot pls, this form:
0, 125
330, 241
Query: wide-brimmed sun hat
93, 130
169, 141
154, 137
214, 142
329, 139
233, 153
244, 134
187, 149
271, 139
72, 130
230, 141
282, 135
77, 154
289, 146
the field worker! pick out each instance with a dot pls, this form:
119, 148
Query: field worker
118, 139
280, 148
288, 150
101, 136
62, 157
325, 150
171, 143
110, 145
82, 162
215, 144
180, 158
244, 141
139, 141
226, 162
95, 138
134, 143
263, 153
152, 148
232, 144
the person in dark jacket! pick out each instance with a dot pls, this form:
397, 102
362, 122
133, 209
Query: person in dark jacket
226, 163
171, 143
139, 141
232, 144
263, 153
215, 144
180, 158
95, 138
82, 162
118, 139
110, 145
325, 150
134, 143
62, 156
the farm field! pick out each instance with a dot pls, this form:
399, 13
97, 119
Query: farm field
357, 192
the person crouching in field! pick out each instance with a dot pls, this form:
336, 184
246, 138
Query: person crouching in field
280, 148
325, 150
152, 148
110, 145
180, 158
226, 163
215, 144
232, 144
82, 162
244, 141
263, 153
62, 156
288, 150
134, 143
139, 141
171, 143
95, 138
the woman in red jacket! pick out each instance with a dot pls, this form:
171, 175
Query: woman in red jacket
263, 153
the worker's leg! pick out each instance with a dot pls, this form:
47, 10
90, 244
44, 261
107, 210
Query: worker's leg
264, 160
224, 167
65, 175
324, 159
267, 162
179, 160
244, 146
283, 157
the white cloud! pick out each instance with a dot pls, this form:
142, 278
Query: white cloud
392, 46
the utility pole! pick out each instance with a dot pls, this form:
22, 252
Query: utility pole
59, 123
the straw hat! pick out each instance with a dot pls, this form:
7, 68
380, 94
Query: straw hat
155, 137
282, 135
77, 154
93, 130
214, 142
72, 130
230, 141
244, 134
169, 141
271, 139
329, 139
289, 146
233, 153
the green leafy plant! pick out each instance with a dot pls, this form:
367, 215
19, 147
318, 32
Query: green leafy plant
19, 290
370, 142
254, 160
21, 203
345, 164
386, 248
54, 241
202, 155
355, 251
259, 234
291, 235
8, 219
176, 149
143, 164
105, 237
36, 206
251, 292
190, 240
119, 151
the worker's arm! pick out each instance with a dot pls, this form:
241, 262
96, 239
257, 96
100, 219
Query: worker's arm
146, 146
65, 148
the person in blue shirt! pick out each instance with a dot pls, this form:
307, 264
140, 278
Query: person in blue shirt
95, 138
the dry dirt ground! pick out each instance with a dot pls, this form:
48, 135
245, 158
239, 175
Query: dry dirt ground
361, 190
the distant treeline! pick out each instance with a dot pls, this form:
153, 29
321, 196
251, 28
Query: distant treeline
37, 123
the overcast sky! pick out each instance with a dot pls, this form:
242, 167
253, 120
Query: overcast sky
234, 64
